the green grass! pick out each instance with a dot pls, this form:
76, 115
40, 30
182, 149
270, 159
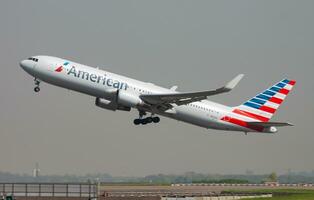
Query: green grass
280, 194
288, 197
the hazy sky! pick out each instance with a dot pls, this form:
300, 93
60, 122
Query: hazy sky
197, 45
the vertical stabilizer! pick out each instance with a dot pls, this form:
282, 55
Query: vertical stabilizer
264, 105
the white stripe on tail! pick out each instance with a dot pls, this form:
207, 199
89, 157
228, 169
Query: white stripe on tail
264, 105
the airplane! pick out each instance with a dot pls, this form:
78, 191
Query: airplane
115, 92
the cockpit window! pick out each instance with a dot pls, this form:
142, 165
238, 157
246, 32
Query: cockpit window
33, 59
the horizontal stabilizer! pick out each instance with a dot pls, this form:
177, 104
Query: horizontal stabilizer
269, 124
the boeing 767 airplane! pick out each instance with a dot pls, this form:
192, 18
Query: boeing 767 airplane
115, 92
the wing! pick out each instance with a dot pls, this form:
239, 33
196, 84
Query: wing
185, 98
269, 124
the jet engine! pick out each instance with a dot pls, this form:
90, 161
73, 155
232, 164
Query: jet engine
110, 105
128, 98
121, 100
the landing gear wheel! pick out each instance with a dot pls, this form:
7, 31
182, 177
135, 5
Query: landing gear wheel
146, 120
137, 121
149, 120
37, 89
143, 121
156, 119
37, 82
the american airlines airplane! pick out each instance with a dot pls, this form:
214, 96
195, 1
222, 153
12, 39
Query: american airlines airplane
116, 92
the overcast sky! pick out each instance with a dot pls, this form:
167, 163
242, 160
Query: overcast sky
197, 45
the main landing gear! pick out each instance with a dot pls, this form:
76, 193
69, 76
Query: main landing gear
36, 88
146, 120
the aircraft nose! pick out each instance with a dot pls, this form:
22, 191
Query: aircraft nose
22, 63
26, 64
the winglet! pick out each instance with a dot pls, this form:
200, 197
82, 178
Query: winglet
174, 88
229, 86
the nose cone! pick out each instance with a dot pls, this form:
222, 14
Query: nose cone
27, 65
22, 63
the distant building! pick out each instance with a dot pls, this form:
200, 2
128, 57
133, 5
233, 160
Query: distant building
36, 171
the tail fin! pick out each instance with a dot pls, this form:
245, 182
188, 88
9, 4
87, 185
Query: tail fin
264, 105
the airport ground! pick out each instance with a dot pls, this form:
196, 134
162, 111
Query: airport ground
285, 192
88, 191
277, 194
118, 190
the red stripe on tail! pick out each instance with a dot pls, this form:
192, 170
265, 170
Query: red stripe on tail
276, 100
292, 82
284, 91
250, 115
268, 109
242, 123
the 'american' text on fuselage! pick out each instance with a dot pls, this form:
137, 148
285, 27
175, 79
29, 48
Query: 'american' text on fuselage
97, 78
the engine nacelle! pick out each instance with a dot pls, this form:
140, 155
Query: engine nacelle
271, 129
110, 105
128, 99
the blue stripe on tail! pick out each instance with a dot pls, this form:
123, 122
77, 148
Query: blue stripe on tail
280, 85
270, 93
258, 101
252, 105
261, 96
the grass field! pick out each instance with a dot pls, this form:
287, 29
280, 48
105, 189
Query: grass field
281, 194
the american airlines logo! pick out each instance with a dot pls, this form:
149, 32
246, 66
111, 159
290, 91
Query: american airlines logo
102, 79
59, 69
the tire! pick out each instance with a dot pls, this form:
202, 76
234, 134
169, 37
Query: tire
156, 119
37, 89
149, 120
136, 121
143, 121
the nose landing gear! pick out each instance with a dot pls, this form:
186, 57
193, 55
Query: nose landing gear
146, 120
36, 88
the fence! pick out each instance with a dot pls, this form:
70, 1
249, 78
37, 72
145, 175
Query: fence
50, 189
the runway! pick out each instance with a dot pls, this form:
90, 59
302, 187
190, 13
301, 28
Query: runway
189, 190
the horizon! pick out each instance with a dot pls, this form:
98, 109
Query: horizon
251, 173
